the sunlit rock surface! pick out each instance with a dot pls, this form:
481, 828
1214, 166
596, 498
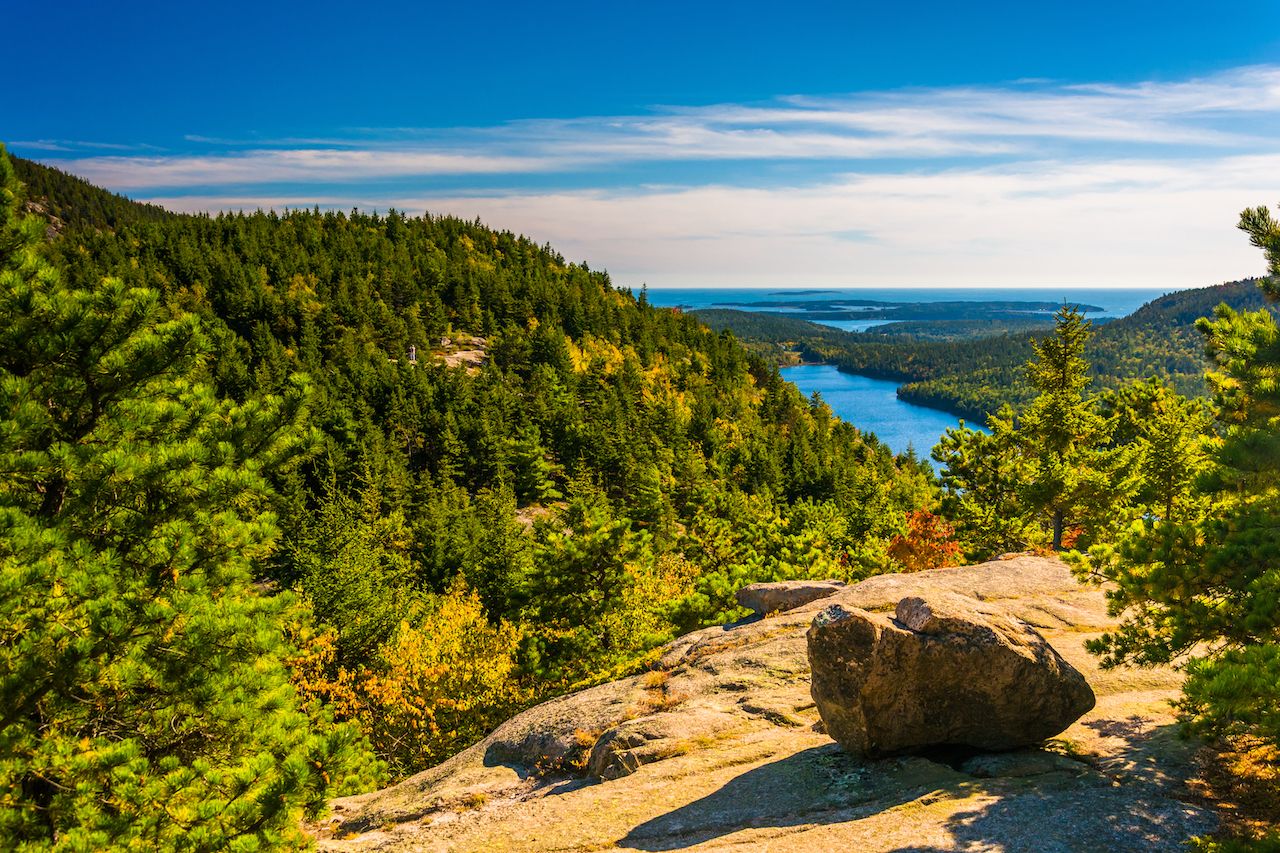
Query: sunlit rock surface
942, 670
722, 748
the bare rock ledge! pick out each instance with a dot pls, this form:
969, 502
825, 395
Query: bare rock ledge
721, 748
767, 598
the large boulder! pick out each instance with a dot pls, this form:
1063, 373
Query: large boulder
945, 670
766, 598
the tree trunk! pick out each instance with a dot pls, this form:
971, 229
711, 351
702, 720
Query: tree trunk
1057, 530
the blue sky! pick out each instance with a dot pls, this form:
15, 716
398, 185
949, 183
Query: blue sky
695, 144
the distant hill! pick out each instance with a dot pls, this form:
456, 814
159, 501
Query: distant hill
755, 327
930, 318
71, 203
974, 376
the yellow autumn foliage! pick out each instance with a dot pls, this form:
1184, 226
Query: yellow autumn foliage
438, 686
443, 683
594, 353
313, 672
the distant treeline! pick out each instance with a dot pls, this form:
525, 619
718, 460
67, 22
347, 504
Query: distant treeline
973, 376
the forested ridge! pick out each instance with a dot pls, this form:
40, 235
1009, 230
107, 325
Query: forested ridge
69, 202
295, 504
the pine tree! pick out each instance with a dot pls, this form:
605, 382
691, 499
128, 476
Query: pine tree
143, 699
982, 478
1204, 587
1167, 433
1051, 472
579, 578
1071, 476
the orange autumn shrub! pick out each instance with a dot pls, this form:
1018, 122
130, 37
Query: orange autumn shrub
929, 543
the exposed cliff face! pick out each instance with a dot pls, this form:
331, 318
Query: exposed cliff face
721, 747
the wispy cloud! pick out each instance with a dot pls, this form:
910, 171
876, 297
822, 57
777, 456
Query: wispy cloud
1033, 182
79, 146
1137, 223
299, 165
923, 124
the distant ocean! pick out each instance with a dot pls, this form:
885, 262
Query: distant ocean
1115, 302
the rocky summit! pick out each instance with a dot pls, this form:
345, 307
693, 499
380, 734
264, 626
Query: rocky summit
945, 670
720, 747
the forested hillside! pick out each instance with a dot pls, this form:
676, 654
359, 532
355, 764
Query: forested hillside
292, 504
974, 376
507, 476
68, 202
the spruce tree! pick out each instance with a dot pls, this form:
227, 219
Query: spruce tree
143, 699
982, 481
1047, 470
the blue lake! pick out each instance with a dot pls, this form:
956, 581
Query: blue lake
872, 405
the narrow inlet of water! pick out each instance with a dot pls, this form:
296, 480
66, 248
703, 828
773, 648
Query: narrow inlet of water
872, 405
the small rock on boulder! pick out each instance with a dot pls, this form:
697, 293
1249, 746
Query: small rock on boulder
948, 670
766, 598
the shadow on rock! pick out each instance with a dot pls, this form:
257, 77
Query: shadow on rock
1022, 801
815, 786
1058, 822
1125, 804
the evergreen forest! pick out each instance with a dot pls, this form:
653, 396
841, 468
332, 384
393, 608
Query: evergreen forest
430, 472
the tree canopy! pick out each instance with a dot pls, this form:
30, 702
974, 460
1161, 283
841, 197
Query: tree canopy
561, 472
145, 698
1200, 585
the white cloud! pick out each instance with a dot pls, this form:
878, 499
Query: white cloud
1156, 223
912, 124
69, 146
1030, 183
300, 165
